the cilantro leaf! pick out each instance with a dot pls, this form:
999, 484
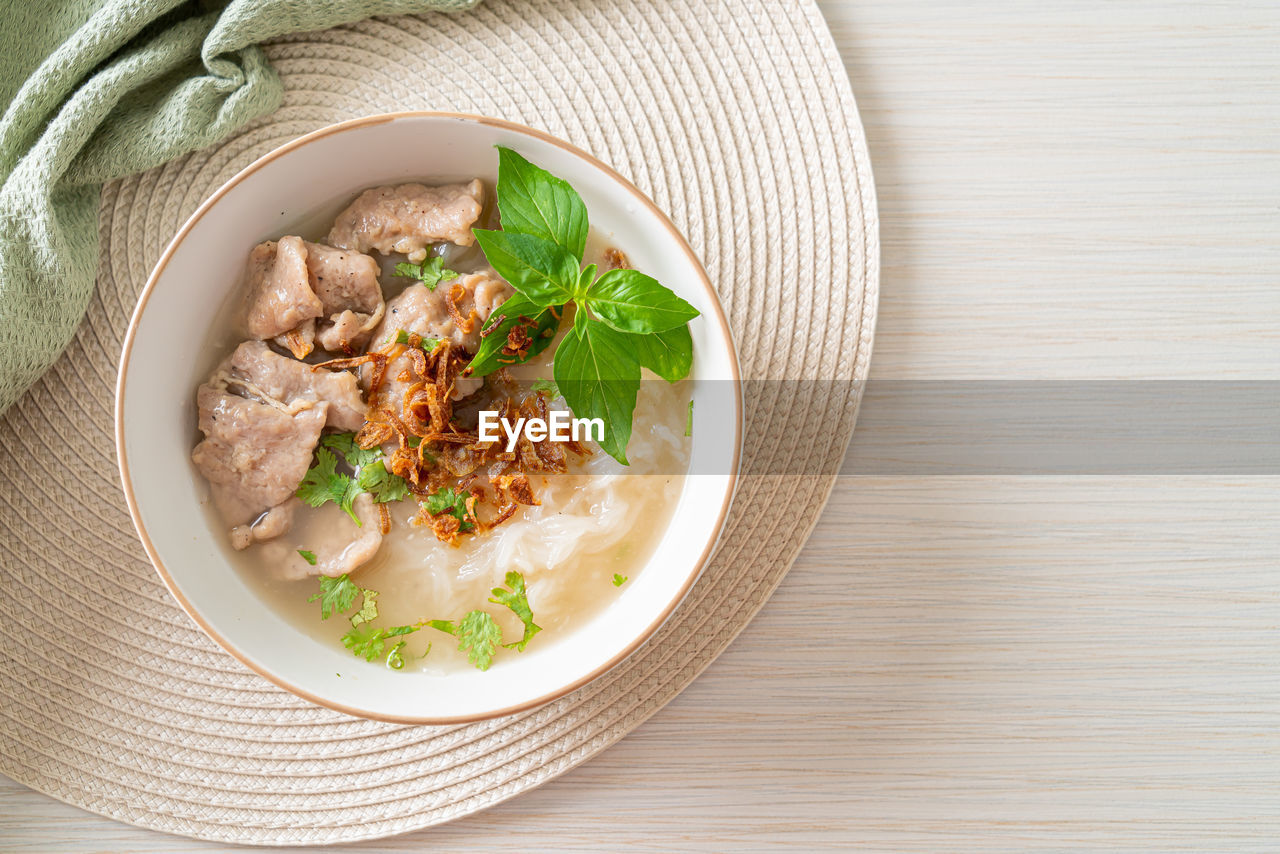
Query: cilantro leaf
345, 444
598, 375
630, 301
368, 608
449, 500
336, 595
543, 271
426, 344
668, 354
548, 387
517, 600
325, 483
619, 580
533, 201
489, 357
430, 272
478, 636
380, 483
370, 643
394, 659
309, 557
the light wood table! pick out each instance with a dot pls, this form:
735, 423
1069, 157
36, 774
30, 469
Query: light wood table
1085, 190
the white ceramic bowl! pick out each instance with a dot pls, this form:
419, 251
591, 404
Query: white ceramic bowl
161, 366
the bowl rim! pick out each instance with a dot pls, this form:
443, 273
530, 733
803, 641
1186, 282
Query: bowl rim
678, 240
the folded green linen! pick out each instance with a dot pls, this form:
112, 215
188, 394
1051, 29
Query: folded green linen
98, 89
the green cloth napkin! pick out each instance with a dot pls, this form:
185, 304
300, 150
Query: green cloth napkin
97, 89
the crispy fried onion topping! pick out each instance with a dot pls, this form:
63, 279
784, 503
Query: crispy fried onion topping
432, 451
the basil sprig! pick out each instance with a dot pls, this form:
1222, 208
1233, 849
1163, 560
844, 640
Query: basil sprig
625, 320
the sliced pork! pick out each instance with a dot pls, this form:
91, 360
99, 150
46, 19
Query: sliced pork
253, 454
409, 218
261, 414
301, 293
300, 341
270, 525
339, 545
264, 373
456, 310
347, 284
280, 296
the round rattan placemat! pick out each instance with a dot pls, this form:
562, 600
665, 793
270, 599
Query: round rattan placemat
738, 120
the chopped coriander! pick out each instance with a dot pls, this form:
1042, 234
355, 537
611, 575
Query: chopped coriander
380, 483
430, 272
325, 483
394, 659
336, 595
517, 600
427, 344
478, 636
368, 608
688, 424
619, 580
449, 500
547, 386
370, 643
309, 557
345, 444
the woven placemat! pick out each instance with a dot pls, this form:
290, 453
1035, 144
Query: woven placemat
737, 119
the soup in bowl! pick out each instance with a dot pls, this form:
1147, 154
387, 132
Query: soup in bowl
428, 418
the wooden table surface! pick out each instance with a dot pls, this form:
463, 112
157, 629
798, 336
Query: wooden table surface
1080, 190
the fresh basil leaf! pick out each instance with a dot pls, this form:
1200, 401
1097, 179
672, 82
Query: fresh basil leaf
668, 354
598, 376
533, 201
585, 279
541, 270
490, 356
630, 301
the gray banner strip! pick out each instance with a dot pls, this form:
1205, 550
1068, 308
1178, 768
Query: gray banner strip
1067, 427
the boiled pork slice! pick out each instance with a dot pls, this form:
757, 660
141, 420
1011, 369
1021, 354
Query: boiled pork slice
280, 297
409, 218
261, 414
301, 293
253, 454
419, 309
269, 525
339, 545
347, 284
295, 385
426, 312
